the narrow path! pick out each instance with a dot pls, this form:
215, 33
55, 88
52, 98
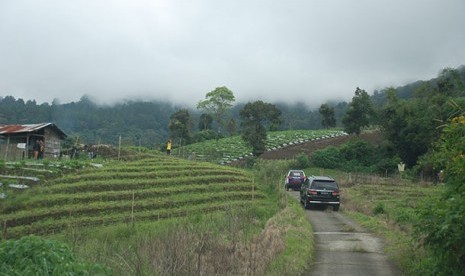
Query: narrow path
345, 248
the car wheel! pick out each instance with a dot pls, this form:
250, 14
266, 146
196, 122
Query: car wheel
336, 208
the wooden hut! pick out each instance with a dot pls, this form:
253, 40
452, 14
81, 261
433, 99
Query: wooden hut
17, 141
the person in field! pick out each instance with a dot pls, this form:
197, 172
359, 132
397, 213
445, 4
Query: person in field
168, 147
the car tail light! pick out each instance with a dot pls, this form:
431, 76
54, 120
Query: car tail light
335, 193
312, 192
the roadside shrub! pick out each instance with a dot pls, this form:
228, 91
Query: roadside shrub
302, 161
32, 255
357, 156
328, 158
379, 209
360, 151
441, 223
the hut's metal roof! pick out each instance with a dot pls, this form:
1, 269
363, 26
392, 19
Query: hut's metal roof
16, 129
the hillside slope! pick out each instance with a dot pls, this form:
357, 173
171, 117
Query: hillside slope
291, 151
126, 192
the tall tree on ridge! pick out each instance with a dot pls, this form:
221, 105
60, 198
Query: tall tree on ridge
327, 116
217, 103
256, 118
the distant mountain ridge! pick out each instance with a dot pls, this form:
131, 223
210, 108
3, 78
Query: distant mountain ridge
146, 123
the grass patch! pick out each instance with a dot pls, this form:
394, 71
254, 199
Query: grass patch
389, 211
298, 238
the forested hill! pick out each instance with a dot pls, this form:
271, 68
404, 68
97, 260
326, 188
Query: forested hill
146, 123
408, 91
138, 123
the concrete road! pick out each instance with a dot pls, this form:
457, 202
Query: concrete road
345, 248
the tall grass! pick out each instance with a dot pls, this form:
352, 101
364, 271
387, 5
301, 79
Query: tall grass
257, 239
388, 207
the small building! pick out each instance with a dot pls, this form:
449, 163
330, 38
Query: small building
17, 141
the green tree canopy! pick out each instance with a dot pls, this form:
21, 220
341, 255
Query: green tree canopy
442, 219
359, 113
327, 116
412, 125
205, 122
180, 126
217, 103
256, 118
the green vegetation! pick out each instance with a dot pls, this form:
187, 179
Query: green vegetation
390, 209
359, 114
32, 255
167, 215
327, 116
198, 214
131, 191
180, 126
233, 148
217, 103
411, 126
257, 118
441, 221
356, 156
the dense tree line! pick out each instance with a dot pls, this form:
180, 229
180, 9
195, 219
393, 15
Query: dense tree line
409, 116
138, 122
410, 119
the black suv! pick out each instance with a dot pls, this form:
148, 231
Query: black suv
320, 190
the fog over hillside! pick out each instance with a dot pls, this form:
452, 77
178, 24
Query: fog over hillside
292, 51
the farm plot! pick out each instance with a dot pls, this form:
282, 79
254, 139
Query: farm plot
227, 150
396, 202
127, 192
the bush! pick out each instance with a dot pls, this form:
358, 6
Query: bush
441, 221
356, 155
360, 151
32, 255
328, 158
206, 135
379, 209
302, 161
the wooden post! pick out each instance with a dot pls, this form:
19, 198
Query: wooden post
119, 147
132, 209
6, 148
253, 189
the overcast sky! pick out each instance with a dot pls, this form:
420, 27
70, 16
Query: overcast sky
178, 50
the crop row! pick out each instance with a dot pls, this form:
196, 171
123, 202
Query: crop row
135, 184
61, 199
233, 148
147, 173
99, 208
120, 190
52, 225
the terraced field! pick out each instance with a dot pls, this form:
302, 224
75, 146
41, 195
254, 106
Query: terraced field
126, 192
231, 149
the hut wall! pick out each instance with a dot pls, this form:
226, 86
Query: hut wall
52, 144
13, 148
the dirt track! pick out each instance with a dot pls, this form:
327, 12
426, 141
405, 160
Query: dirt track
345, 248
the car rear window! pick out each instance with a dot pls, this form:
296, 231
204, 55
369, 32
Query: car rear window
296, 174
329, 185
